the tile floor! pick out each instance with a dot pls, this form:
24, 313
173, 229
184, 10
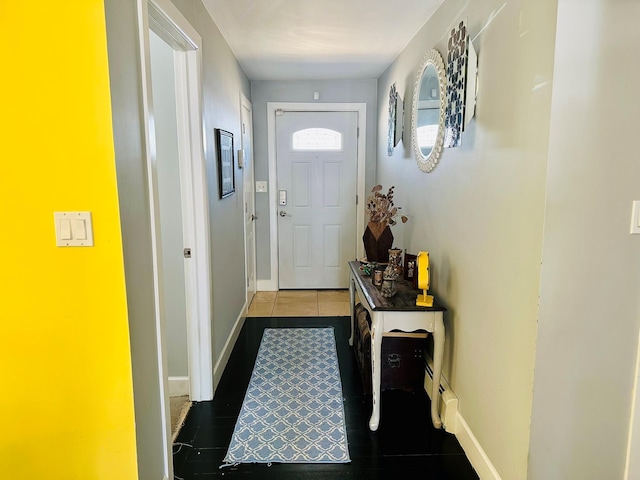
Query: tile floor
300, 303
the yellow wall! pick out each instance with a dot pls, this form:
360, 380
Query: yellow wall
65, 367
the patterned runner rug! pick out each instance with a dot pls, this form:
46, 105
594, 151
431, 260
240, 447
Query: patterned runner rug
292, 411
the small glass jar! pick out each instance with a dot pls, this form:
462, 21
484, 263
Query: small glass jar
395, 261
377, 277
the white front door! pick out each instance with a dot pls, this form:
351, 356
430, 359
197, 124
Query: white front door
316, 156
249, 199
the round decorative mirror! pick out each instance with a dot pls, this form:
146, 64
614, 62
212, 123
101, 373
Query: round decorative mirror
429, 99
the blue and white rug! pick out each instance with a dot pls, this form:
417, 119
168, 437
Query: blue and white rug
292, 411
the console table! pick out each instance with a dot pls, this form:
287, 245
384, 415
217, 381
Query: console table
398, 313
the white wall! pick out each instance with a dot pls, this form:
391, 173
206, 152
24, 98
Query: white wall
480, 213
169, 200
590, 283
535, 208
331, 91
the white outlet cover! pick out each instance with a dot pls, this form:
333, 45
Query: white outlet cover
261, 186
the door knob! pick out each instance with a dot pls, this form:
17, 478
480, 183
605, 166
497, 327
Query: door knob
284, 214
253, 217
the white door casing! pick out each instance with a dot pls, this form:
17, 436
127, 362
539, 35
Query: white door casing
271, 284
169, 24
248, 197
163, 74
632, 465
316, 198
167, 21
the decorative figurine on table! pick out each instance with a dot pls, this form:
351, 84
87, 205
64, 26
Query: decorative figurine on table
369, 268
391, 273
422, 262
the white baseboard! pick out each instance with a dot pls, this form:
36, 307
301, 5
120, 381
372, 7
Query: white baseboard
453, 422
178, 386
474, 451
221, 363
267, 285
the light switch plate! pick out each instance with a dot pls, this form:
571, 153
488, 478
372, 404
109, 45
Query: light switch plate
73, 229
261, 187
635, 218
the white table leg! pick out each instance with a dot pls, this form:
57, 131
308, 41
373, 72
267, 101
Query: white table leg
352, 298
376, 371
438, 355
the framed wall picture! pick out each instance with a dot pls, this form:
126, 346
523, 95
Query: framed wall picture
396, 114
399, 126
393, 97
410, 270
224, 150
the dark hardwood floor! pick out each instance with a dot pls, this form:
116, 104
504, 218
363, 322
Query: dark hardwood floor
406, 446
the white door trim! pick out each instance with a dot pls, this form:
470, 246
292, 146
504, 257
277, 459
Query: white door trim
248, 177
632, 464
361, 109
166, 20
188, 57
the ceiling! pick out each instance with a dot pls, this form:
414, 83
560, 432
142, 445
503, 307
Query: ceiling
318, 39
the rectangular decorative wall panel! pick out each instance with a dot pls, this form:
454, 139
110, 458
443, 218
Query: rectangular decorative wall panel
302, 246
331, 182
301, 184
331, 244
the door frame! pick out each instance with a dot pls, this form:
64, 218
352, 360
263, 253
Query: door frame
632, 463
166, 21
248, 181
361, 109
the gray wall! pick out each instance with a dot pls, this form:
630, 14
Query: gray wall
331, 91
480, 213
223, 80
590, 283
169, 199
124, 67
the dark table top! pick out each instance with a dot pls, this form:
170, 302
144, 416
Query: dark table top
403, 300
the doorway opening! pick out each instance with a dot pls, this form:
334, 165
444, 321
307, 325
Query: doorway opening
316, 168
277, 109
245, 159
188, 251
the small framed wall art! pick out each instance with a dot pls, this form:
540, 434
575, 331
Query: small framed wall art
224, 151
411, 269
396, 112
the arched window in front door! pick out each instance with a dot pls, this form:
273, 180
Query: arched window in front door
313, 139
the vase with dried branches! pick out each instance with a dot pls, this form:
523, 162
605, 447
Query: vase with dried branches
382, 211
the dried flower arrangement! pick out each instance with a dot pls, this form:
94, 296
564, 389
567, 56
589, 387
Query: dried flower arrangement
381, 207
